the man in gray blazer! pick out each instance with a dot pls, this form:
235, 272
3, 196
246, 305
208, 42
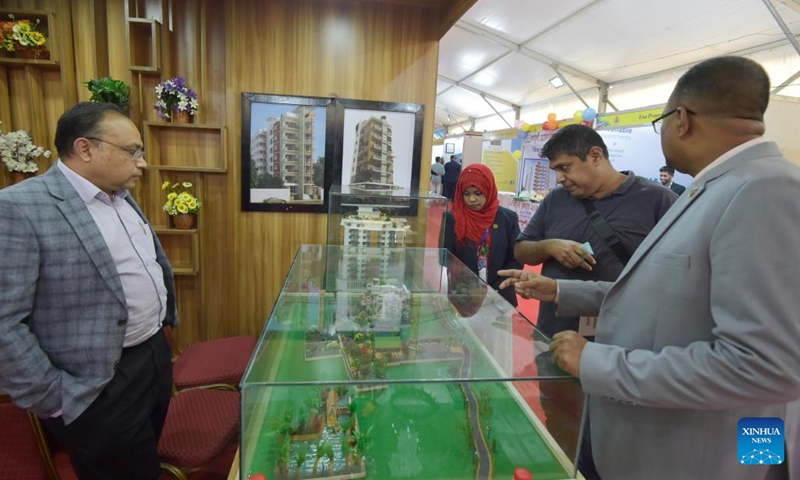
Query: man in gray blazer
85, 288
701, 328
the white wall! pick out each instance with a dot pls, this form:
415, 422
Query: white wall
781, 119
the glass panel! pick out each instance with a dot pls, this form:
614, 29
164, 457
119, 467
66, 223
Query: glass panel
362, 218
402, 363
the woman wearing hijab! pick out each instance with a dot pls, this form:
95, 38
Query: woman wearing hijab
479, 232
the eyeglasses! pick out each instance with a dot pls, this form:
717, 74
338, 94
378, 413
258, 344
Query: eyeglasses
658, 121
135, 153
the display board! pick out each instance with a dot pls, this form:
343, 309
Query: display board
638, 149
499, 150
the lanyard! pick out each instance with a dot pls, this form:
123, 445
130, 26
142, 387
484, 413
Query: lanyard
482, 247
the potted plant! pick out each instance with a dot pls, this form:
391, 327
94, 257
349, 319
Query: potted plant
109, 90
21, 36
19, 154
181, 204
175, 99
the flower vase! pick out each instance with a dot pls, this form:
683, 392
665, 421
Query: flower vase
20, 176
184, 221
180, 116
32, 54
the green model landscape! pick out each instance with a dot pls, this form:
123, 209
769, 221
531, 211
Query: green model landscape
406, 423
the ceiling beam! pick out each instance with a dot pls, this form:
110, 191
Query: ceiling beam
790, 36
523, 50
477, 91
686, 66
566, 19
531, 105
482, 68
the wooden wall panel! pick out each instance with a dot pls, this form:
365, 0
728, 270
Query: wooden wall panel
381, 51
348, 49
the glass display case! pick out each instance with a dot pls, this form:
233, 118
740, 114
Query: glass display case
368, 219
402, 365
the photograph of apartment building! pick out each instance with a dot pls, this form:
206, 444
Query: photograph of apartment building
373, 160
377, 151
284, 149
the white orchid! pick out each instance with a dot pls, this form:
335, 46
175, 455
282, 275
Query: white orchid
18, 152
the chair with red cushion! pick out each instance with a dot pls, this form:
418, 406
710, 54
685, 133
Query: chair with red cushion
200, 424
219, 362
22, 455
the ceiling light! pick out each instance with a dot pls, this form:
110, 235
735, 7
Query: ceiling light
556, 82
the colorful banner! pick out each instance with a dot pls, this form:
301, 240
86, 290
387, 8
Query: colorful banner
507, 134
628, 119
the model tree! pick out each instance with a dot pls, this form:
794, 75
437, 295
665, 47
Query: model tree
302, 454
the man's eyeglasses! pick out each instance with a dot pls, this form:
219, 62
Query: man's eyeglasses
135, 153
658, 121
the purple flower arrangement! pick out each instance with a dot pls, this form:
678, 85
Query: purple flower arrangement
175, 94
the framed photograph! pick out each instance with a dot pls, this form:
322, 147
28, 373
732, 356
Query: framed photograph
379, 144
287, 152
449, 148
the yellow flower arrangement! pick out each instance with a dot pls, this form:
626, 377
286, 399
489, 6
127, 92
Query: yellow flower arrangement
21, 35
180, 198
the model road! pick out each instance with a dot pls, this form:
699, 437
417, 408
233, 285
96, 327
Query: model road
484, 457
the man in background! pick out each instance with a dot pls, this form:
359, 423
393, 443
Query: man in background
700, 330
665, 174
437, 171
85, 288
452, 170
563, 237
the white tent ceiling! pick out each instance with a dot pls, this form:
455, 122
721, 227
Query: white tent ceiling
502, 53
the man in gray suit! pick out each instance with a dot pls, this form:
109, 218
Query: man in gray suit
701, 328
85, 288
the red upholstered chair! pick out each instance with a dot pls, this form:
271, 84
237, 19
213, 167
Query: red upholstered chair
214, 363
23, 453
200, 424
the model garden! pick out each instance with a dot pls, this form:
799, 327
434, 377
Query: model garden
384, 384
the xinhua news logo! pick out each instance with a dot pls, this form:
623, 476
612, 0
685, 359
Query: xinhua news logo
761, 441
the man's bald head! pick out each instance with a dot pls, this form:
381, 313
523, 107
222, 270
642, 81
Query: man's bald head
731, 87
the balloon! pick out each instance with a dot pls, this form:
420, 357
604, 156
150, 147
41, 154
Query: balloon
589, 114
546, 126
521, 135
517, 154
551, 117
577, 116
526, 127
552, 125
588, 123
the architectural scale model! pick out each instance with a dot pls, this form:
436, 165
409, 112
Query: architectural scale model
370, 227
395, 385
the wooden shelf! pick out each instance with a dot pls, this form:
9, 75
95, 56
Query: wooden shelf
46, 27
182, 248
144, 45
185, 147
25, 61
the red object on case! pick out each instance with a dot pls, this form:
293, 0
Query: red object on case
522, 474
257, 476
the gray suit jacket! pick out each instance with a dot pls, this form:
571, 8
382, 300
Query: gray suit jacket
700, 330
62, 309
